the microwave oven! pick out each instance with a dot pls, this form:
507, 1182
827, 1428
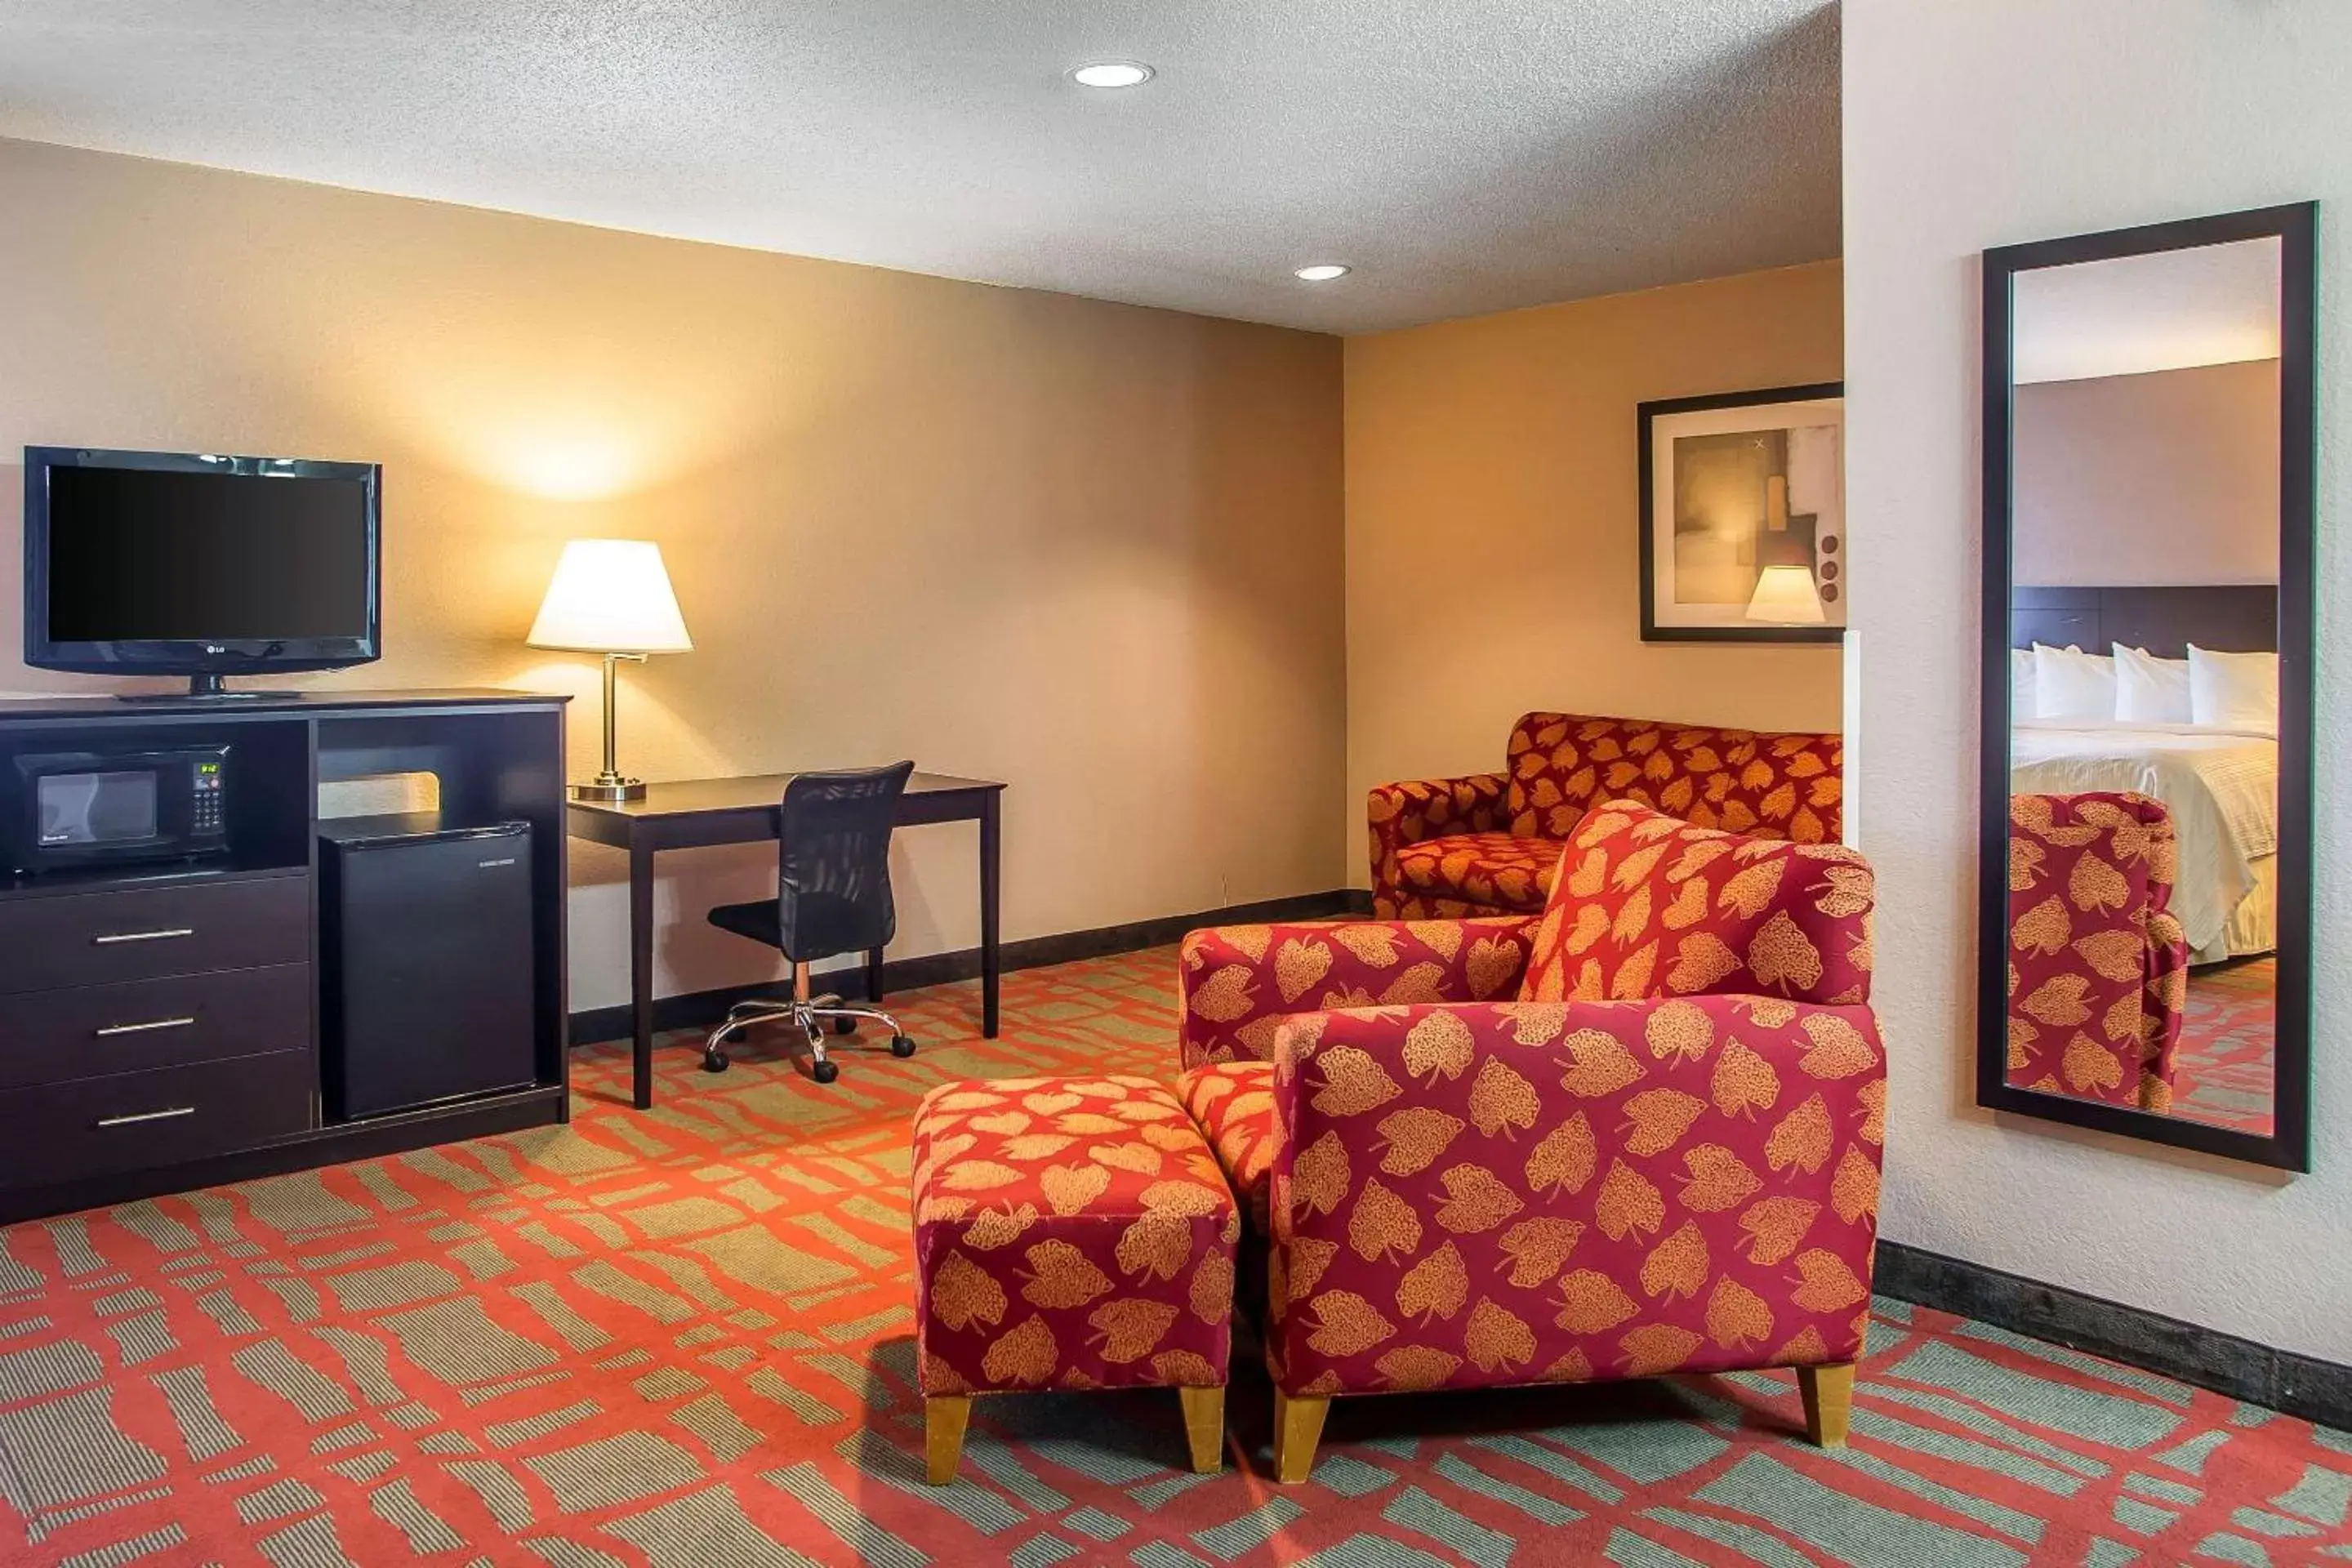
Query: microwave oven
65, 809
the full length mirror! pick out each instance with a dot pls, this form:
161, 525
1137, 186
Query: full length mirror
2146, 843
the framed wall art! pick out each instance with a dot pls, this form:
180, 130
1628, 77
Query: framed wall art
1743, 517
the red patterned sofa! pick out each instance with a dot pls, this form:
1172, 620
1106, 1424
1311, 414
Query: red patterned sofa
1449, 849
2099, 966
1637, 1135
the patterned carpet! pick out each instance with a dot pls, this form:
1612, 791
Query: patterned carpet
682, 1338
2224, 1076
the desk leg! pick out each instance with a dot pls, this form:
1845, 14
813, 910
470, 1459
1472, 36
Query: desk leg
641, 972
990, 885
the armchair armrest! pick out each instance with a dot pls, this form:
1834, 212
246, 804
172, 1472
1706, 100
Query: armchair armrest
1236, 984
2098, 963
1415, 809
1475, 1195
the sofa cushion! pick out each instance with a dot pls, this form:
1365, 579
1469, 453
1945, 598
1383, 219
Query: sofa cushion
1766, 785
1499, 870
1071, 1232
1647, 905
1233, 1102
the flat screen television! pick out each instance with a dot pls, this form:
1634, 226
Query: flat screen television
199, 564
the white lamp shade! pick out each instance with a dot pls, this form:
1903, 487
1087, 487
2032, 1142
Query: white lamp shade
611, 595
1785, 595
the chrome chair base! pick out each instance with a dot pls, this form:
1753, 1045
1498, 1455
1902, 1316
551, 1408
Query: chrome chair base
810, 1016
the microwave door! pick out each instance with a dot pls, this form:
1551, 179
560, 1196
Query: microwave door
97, 809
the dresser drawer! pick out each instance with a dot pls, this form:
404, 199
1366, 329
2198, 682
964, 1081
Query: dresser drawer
142, 933
52, 1036
96, 1126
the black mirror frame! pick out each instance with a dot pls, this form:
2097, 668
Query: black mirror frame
2289, 1146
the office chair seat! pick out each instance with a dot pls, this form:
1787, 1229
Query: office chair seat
756, 921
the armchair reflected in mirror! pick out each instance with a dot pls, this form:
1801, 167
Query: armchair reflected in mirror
2147, 832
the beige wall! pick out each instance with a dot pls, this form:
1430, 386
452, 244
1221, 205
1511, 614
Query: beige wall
2212, 108
2164, 478
1089, 548
1493, 555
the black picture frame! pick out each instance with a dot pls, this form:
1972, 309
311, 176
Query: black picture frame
1647, 414
2294, 225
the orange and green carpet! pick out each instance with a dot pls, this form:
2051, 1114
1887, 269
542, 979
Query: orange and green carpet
683, 1339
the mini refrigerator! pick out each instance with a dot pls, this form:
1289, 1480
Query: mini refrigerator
425, 961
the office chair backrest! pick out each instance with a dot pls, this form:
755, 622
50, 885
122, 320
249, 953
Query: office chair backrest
832, 874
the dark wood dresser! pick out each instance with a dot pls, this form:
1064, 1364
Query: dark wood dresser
159, 1023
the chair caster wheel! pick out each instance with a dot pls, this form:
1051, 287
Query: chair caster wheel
900, 1045
825, 1072
714, 1061
845, 1026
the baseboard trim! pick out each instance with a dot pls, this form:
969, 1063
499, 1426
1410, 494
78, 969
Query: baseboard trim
700, 1009
2298, 1384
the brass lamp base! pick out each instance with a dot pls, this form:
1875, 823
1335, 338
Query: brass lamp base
607, 790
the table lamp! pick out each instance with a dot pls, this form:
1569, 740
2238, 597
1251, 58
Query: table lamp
1785, 597
610, 596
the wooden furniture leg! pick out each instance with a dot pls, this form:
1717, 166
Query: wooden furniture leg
1828, 1400
1204, 1427
944, 1415
1297, 1427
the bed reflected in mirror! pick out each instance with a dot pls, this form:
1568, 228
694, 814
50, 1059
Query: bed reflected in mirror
2145, 880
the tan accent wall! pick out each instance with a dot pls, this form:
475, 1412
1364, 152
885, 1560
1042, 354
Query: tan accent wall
1493, 522
1089, 548
2169, 478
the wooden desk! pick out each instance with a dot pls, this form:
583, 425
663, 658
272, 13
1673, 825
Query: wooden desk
696, 812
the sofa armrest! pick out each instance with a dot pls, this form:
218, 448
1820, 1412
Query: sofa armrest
1236, 984
1477, 1195
1415, 809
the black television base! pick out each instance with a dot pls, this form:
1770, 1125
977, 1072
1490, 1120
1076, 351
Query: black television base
201, 689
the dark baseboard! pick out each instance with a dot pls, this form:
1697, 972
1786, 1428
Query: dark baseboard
700, 1009
2298, 1384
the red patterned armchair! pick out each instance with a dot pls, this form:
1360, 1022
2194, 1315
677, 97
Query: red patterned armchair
1449, 849
1637, 1135
2099, 966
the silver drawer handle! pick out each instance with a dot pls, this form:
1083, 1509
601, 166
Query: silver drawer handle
144, 1028
142, 936
147, 1116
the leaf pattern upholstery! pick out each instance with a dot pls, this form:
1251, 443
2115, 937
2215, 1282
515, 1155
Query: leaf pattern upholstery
1233, 1104
1470, 1196
1498, 870
1234, 985
1416, 810
1648, 905
1557, 765
1069, 1233
2098, 965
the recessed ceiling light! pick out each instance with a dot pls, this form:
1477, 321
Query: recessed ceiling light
1322, 272
1112, 73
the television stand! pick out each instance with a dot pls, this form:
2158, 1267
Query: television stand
92, 1113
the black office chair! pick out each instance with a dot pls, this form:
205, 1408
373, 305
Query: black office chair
832, 897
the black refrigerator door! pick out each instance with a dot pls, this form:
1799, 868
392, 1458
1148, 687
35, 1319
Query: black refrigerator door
428, 969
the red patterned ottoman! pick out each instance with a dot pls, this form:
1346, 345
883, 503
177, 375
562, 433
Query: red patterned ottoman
1069, 1233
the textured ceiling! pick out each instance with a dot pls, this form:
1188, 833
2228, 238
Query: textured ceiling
1463, 155
2215, 304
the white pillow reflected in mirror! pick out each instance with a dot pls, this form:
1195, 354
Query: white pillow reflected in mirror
2233, 690
2151, 690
